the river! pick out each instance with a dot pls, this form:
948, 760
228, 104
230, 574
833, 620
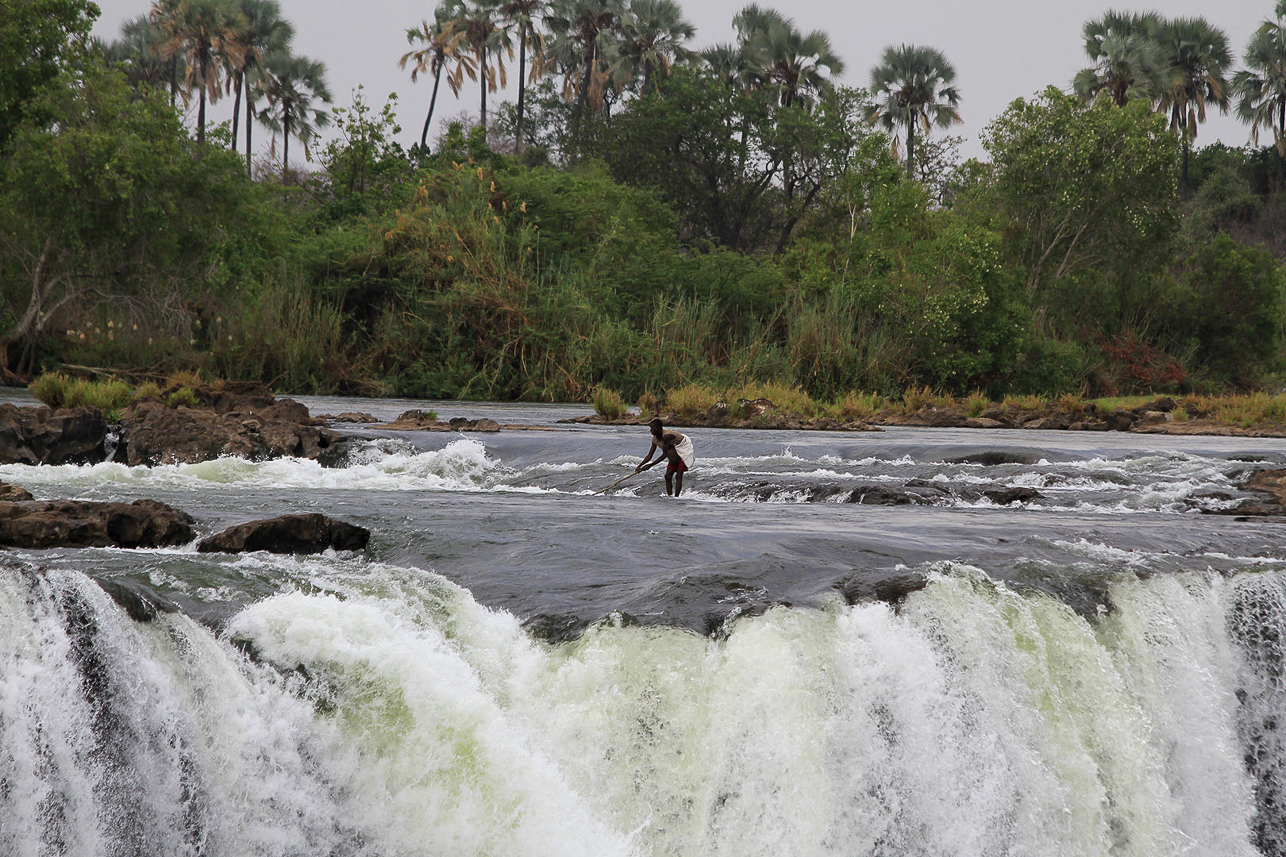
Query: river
1046, 647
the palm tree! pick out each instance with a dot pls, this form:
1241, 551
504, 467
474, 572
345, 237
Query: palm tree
441, 44
260, 30
1198, 59
163, 19
291, 86
484, 36
138, 51
1261, 88
913, 87
1129, 61
522, 15
203, 31
729, 63
584, 48
653, 33
793, 63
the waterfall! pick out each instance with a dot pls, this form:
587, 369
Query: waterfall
400, 717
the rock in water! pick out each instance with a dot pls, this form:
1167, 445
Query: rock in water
152, 433
40, 435
83, 523
308, 533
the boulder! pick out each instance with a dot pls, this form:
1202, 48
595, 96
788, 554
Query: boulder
14, 493
417, 420
152, 433
41, 435
349, 417
83, 523
306, 533
1056, 421
1005, 496
1121, 420
891, 587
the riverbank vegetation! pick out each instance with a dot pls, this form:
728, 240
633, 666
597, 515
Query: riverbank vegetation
646, 220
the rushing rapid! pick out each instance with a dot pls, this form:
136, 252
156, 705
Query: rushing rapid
914, 642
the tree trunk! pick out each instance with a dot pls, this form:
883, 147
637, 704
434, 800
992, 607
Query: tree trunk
236, 108
250, 169
482, 77
1184, 190
522, 82
910, 148
200, 116
433, 100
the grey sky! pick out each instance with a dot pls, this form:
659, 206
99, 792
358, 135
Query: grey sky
1002, 50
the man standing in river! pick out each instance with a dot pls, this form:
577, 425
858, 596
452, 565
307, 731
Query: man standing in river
676, 449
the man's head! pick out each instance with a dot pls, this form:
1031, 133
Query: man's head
656, 425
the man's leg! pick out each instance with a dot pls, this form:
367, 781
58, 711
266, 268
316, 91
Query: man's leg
678, 483
669, 482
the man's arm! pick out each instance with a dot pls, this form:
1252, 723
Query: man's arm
643, 465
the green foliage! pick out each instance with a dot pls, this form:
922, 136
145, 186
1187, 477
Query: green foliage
109, 203
1231, 312
607, 403
60, 391
1224, 200
39, 39
1090, 193
184, 397
365, 166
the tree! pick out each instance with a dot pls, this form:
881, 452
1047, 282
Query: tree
583, 47
1089, 193
790, 63
1198, 59
1261, 88
38, 40
1129, 62
653, 36
258, 31
138, 53
104, 197
441, 44
483, 35
204, 32
729, 63
522, 15
913, 87
291, 86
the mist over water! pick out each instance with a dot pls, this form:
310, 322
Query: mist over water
520, 666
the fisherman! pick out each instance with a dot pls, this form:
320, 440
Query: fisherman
675, 448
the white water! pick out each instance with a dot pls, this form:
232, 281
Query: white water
393, 715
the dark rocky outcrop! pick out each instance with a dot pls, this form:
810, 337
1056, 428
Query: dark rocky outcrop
249, 423
1005, 496
417, 420
914, 493
40, 435
891, 587
306, 533
138, 600
83, 523
349, 417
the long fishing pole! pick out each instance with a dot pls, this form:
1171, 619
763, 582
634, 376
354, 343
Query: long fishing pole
618, 482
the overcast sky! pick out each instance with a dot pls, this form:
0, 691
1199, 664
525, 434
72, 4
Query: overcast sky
1002, 49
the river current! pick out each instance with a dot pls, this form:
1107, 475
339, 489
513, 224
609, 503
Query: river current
908, 642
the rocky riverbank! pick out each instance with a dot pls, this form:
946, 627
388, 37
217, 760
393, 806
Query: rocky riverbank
1160, 416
